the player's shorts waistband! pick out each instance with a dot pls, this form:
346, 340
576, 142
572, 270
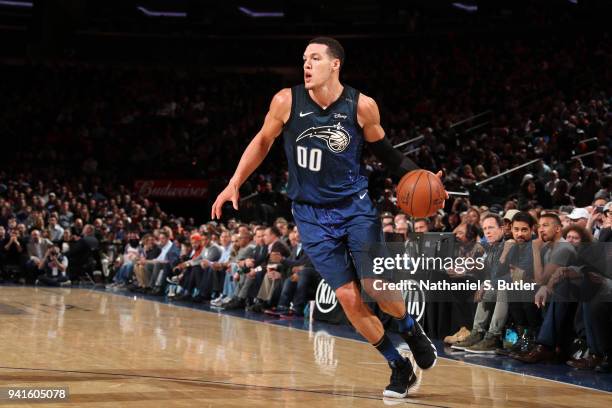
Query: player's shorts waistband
334, 204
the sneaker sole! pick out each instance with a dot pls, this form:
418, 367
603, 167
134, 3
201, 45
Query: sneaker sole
397, 395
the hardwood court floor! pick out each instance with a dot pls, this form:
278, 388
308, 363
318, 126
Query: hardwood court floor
112, 351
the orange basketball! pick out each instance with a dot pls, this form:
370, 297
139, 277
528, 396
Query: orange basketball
420, 193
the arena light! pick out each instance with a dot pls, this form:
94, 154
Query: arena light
23, 4
470, 8
260, 14
153, 13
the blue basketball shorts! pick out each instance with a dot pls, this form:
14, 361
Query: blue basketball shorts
341, 239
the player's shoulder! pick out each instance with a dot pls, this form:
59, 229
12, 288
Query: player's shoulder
280, 107
282, 97
367, 108
366, 104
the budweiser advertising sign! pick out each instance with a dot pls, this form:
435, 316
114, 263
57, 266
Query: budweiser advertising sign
172, 188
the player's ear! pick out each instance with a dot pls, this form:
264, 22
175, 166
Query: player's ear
336, 64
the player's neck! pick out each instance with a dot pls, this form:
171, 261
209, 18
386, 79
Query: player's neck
327, 94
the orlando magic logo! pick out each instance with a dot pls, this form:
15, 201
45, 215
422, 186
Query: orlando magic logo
336, 137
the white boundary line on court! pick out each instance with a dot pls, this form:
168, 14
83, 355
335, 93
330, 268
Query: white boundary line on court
347, 338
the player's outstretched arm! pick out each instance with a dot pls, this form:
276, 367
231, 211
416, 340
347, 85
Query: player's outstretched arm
256, 151
368, 117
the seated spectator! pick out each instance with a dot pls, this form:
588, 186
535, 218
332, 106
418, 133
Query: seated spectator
242, 251
56, 232
126, 262
148, 253
580, 216
196, 270
387, 222
421, 225
52, 268
251, 276
301, 281
492, 309
66, 216
37, 247
593, 319
158, 269
461, 308
551, 253
219, 267
269, 290
12, 251
519, 263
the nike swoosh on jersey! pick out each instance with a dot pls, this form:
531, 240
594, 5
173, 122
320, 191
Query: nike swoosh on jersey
305, 114
363, 195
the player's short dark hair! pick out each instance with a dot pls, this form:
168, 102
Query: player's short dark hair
334, 48
553, 217
523, 216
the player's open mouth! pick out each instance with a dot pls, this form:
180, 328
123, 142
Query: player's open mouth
307, 77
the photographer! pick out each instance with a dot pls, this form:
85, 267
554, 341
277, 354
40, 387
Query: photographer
53, 267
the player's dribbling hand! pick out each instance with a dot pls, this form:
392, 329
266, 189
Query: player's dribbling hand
230, 193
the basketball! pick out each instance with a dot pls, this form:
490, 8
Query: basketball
420, 193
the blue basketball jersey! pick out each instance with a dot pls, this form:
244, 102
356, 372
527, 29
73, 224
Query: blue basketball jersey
323, 148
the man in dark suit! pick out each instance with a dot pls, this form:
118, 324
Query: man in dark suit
301, 279
249, 273
82, 255
161, 266
273, 274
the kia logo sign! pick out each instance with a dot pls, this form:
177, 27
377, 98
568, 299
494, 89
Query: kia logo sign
325, 299
415, 301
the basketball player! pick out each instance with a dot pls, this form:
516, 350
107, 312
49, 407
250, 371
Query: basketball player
325, 125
